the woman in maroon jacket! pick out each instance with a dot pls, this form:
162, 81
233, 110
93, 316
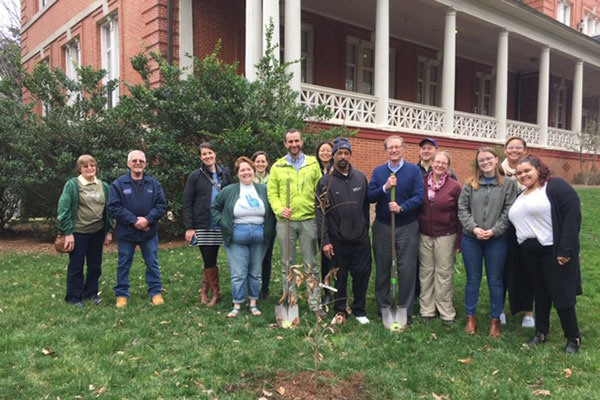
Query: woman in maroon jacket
439, 240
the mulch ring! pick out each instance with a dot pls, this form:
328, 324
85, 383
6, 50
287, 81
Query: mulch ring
320, 385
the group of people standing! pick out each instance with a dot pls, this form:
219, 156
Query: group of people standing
524, 230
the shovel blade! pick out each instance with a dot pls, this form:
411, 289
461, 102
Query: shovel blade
286, 314
394, 318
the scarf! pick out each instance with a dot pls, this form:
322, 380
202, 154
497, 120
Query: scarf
434, 187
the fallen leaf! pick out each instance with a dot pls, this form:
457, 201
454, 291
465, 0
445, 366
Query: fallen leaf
91, 387
465, 361
156, 373
495, 372
432, 336
47, 351
439, 397
100, 390
165, 322
542, 392
568, 373
267, 393
279, 337
281, 390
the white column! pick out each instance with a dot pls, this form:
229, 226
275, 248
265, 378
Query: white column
448, 71
501, 84
292, 45
186, 37
253, 37
270, 12
576, 109
543, 94
382, 61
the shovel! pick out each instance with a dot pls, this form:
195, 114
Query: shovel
394, 317
285, 312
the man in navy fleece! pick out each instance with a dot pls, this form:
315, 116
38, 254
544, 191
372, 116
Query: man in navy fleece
408, 181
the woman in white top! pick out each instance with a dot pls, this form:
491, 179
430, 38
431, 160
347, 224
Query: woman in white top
247, 224
547, 219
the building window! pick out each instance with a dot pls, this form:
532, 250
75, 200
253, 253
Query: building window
428, 81
110, 55
483, 94
306, 51
560, 108
360, 66
72, 62
591, 25
563, 12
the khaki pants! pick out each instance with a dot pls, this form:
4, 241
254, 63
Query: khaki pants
436, 275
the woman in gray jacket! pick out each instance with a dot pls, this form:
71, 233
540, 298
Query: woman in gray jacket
483, 212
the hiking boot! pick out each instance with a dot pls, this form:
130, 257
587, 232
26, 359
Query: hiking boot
121, 302
495, 328
471, 325
158, 300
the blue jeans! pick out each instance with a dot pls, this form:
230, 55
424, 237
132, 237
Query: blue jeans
150, 253
245, 255
494, 252
88, 246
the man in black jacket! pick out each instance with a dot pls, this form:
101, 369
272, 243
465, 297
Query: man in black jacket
342, 209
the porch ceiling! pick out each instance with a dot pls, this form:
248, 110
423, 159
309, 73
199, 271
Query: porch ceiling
422, 21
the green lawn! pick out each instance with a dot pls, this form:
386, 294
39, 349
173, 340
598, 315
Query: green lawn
182, 350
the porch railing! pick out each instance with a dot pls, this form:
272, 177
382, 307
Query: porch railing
530, 132
562, 139
346, 107
355, 109
417, 118
475, 126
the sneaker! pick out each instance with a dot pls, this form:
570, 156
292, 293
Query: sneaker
362, 320
573, 345
502, 318
78, 304
528, 322
157, 300
121, 302
96, 300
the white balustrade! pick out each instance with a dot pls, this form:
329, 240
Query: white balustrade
529, 132
413, 117
475, 126
359, 110
346, 107
562, 139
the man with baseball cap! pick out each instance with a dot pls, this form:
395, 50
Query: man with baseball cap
342, 209
427, 149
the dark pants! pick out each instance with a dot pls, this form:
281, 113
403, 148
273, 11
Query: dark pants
407, 248
355, 259
88, 247
267, 267
209, 255
539, 261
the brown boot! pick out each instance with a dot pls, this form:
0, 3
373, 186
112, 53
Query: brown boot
204, 289
213, 281
495, 328
471, 325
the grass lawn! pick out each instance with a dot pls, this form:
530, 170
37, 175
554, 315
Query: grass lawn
181, 350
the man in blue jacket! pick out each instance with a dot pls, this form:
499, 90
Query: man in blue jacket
137, 202
404, 208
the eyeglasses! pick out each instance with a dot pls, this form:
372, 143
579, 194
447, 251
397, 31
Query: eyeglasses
440, 162
138, 161
485, 160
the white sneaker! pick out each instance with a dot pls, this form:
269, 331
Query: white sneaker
362, 320
503, 319
528, 322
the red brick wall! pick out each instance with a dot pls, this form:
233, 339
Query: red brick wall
224, 20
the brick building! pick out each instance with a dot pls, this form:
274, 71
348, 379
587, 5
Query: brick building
467, 72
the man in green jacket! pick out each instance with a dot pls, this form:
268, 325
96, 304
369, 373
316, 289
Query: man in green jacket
303, 173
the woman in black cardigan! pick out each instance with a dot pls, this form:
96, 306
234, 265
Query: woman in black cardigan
201, 188
547, 218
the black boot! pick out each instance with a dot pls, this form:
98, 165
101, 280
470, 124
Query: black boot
573, 345
537, 339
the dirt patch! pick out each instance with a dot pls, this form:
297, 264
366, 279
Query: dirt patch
20, 244
321, 385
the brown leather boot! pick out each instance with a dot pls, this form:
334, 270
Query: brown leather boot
495, 328
213, 282
471, 325
204, 289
